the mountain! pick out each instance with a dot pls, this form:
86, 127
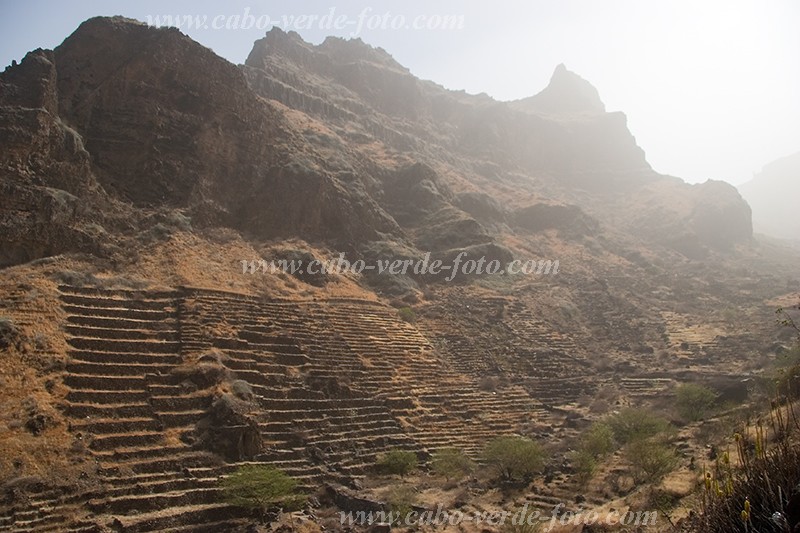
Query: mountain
567, 93
141, 125
149, 350
772, 195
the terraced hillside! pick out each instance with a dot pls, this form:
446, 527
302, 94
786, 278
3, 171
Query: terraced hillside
135, 157
330, 385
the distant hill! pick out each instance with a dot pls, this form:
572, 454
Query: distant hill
773, 196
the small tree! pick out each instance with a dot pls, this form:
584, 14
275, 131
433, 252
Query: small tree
401, 500
693, 401
398, 462
514, 458
595, 443
633, 424
451, 463
259, 487
598, 440
650, 460
584, 463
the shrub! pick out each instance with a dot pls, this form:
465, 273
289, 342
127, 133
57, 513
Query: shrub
242, 390
514, 458
407, 314
595, 443
598, 440
693, 401
8, 332
584, 463
398, 462
631, 424
489, 383
788, 383
259, 487
178, 220
650, 460
77, 279
451, 463
401, 500
40, 341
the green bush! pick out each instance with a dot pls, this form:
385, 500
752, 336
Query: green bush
451, 463
260, 487
650, 460
514, 458
398, 462
401, 500
596, 443
407, 314
598, 440
242, 390
694, 401
632, 424
584, 463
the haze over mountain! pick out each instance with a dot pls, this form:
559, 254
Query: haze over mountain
774, 196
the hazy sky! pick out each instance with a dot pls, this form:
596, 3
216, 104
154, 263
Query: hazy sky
711, 87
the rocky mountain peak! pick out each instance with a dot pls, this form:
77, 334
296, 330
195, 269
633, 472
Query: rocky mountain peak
355, 50
288, 45
567, 93
333, 53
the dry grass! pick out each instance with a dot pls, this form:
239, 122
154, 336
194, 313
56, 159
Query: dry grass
29, 378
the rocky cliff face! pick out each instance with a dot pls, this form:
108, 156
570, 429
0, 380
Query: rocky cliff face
150, 118
44, 167
336, 142
560, 142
